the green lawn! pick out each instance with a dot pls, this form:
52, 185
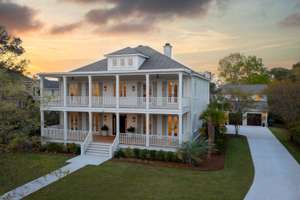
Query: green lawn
283, 136
19, 168
119, 180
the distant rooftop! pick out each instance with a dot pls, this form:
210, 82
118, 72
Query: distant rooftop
247, 88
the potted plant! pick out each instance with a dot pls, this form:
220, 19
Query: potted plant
104, 130
131, 129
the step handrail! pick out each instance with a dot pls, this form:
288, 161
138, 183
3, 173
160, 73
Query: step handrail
86, 142
113, 146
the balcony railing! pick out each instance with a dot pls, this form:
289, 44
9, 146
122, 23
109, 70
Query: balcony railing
77, 100
164, 102
163, 141
104, 101
133, 139
124, 102
52, 101
132, 102
154, 140
57, 133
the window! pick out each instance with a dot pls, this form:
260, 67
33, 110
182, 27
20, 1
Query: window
114, 62
122, 62
122, 89
130, 61
172, 125
74, 120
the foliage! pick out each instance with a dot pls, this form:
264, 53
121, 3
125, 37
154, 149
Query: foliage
192, 152
238, 68
284, 100
23, 142
19, 113
145, 154
61, 148
295, 132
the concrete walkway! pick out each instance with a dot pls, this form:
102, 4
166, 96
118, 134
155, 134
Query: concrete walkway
277, 173
37, 184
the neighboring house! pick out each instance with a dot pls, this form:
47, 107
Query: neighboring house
135, 97
52, 88
257, 113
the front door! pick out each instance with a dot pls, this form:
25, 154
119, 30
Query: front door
253, 119
122, 123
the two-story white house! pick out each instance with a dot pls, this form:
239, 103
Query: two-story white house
134, 97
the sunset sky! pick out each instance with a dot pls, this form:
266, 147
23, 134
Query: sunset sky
60, 35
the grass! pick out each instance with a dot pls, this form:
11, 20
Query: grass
19, 168
283, 136
119, 180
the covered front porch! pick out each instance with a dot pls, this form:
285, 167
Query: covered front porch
129, 129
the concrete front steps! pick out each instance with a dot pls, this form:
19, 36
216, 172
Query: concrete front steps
98, 149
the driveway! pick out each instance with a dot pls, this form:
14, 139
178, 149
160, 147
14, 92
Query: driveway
277, 173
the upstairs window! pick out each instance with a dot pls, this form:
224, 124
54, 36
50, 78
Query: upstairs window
130, 61
122, 62
114, 62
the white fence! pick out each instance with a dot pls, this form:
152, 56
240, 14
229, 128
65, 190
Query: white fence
52, 101
164, 102
77, 100
133, 102
103, 101
133, 139
165, 141
55, 133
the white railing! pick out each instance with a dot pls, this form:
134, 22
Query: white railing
86, 143
132, 102
53, 133
76, 135
104, 101
113, 147
77, 100
165, 141
164, 102
52, 101
133, 139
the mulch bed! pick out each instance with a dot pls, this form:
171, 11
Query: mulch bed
215, 163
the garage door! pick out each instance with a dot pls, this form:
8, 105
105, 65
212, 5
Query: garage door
231, 119
253, 119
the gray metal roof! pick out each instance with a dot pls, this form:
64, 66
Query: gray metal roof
50, 83
155, 60
246, 88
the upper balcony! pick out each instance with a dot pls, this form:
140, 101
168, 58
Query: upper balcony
137, 91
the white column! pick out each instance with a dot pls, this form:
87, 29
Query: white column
90, 122
65, 90
147, 129
118, 125
65, 127
180, 132
42, 123
180, 90
147, 91
90, 90
117, 91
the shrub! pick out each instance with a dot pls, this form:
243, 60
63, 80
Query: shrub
136, 152
220, 144
152, 154
170, 156
55, 148
128, 153
295, 132
160, 155
192, 152
73, 148
143, 154
23, 142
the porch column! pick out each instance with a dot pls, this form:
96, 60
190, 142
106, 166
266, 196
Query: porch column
65, 90
117, 91
180, 90
90, 122
180, 132
90, 90
41, 89
147, 91
147, 129
65, 127
42, 123
118, 125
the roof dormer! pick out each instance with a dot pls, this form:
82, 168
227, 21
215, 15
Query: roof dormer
125, 59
